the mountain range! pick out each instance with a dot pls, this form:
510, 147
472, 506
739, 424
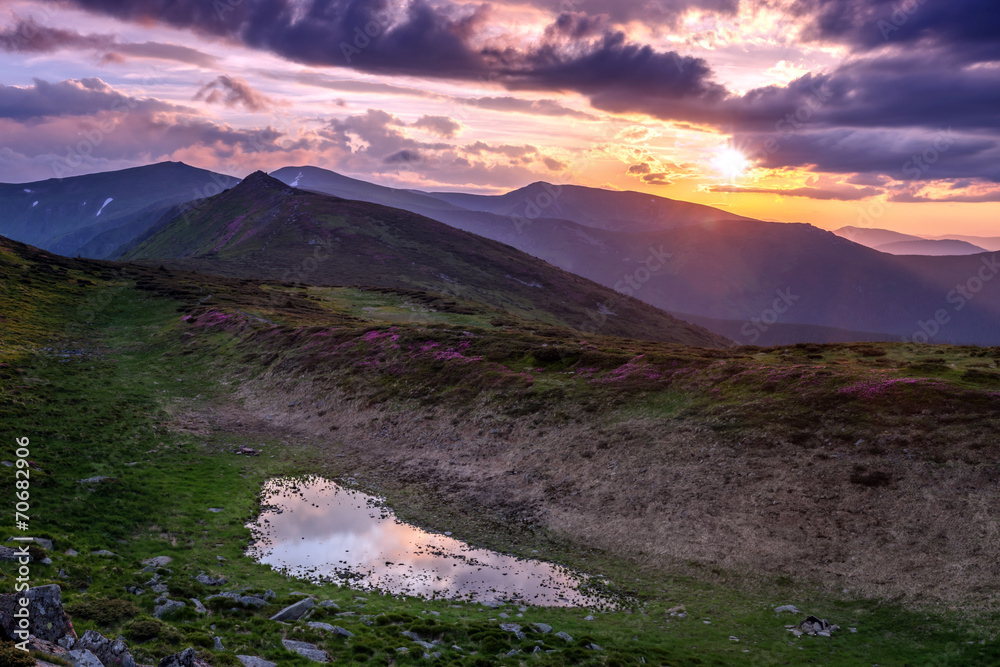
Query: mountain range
264, 229
754, 282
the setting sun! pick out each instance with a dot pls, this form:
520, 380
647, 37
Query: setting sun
730, 162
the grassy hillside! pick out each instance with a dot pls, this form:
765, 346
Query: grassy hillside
853, 481
263, 228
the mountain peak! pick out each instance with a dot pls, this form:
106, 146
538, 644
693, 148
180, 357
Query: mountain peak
259, 181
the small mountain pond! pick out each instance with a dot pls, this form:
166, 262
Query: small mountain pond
318, 530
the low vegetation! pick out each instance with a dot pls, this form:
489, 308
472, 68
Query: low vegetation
152, 378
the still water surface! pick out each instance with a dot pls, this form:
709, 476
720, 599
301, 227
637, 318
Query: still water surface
318, 530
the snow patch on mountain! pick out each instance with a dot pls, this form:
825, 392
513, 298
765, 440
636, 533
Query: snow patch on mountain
106, 202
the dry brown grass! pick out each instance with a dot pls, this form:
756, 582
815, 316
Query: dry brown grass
675, 497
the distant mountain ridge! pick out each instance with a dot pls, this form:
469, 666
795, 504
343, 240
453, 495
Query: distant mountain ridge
94, 214
264, 229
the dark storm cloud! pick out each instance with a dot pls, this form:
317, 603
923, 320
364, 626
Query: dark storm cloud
916, 68
970, 29
376, 36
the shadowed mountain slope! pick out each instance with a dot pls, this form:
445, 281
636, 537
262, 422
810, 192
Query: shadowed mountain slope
265, 229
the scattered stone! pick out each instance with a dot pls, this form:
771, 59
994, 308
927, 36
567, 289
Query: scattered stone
220, 559
787, 607
522, 609
95, 480
164, 607
209, 581
215, 509
107, 651
410, 635
9, 464
538, 649
217, 644
159, 588
594, 647
11, 555
254, 661
503, 615
295, 611
427, 646
588, 617
544, 628
853, 629
306, 650
492, 604
158, 561
72, 552
46, 561
246, 451
270, 595
186, 658
198, 606
46, 617
565, 637
814, 626
43, 542
513, 652
402, 649
82, 658
104, 553
245, 600
512, 628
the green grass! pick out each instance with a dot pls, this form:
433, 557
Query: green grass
109, 412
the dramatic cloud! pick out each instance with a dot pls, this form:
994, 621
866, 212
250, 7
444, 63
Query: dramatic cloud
232, 91
842, 194
440, 125
28, 36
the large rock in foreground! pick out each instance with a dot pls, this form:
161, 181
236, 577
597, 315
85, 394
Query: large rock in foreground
109, 652
46, 618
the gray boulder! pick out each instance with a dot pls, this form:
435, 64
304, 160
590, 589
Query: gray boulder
254, 661
564, 636
43, 542
107, 651
512, 628
158, 561
165, 607
544, 628
335, 629
330, 604
306, 650
295, 611
245, 600
186, 658
82, 658
210, 581
46, 618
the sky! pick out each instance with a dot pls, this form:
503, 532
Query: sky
832, 112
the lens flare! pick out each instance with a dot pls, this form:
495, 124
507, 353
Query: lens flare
730, 162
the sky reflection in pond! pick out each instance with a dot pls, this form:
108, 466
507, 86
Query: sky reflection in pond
317, 530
